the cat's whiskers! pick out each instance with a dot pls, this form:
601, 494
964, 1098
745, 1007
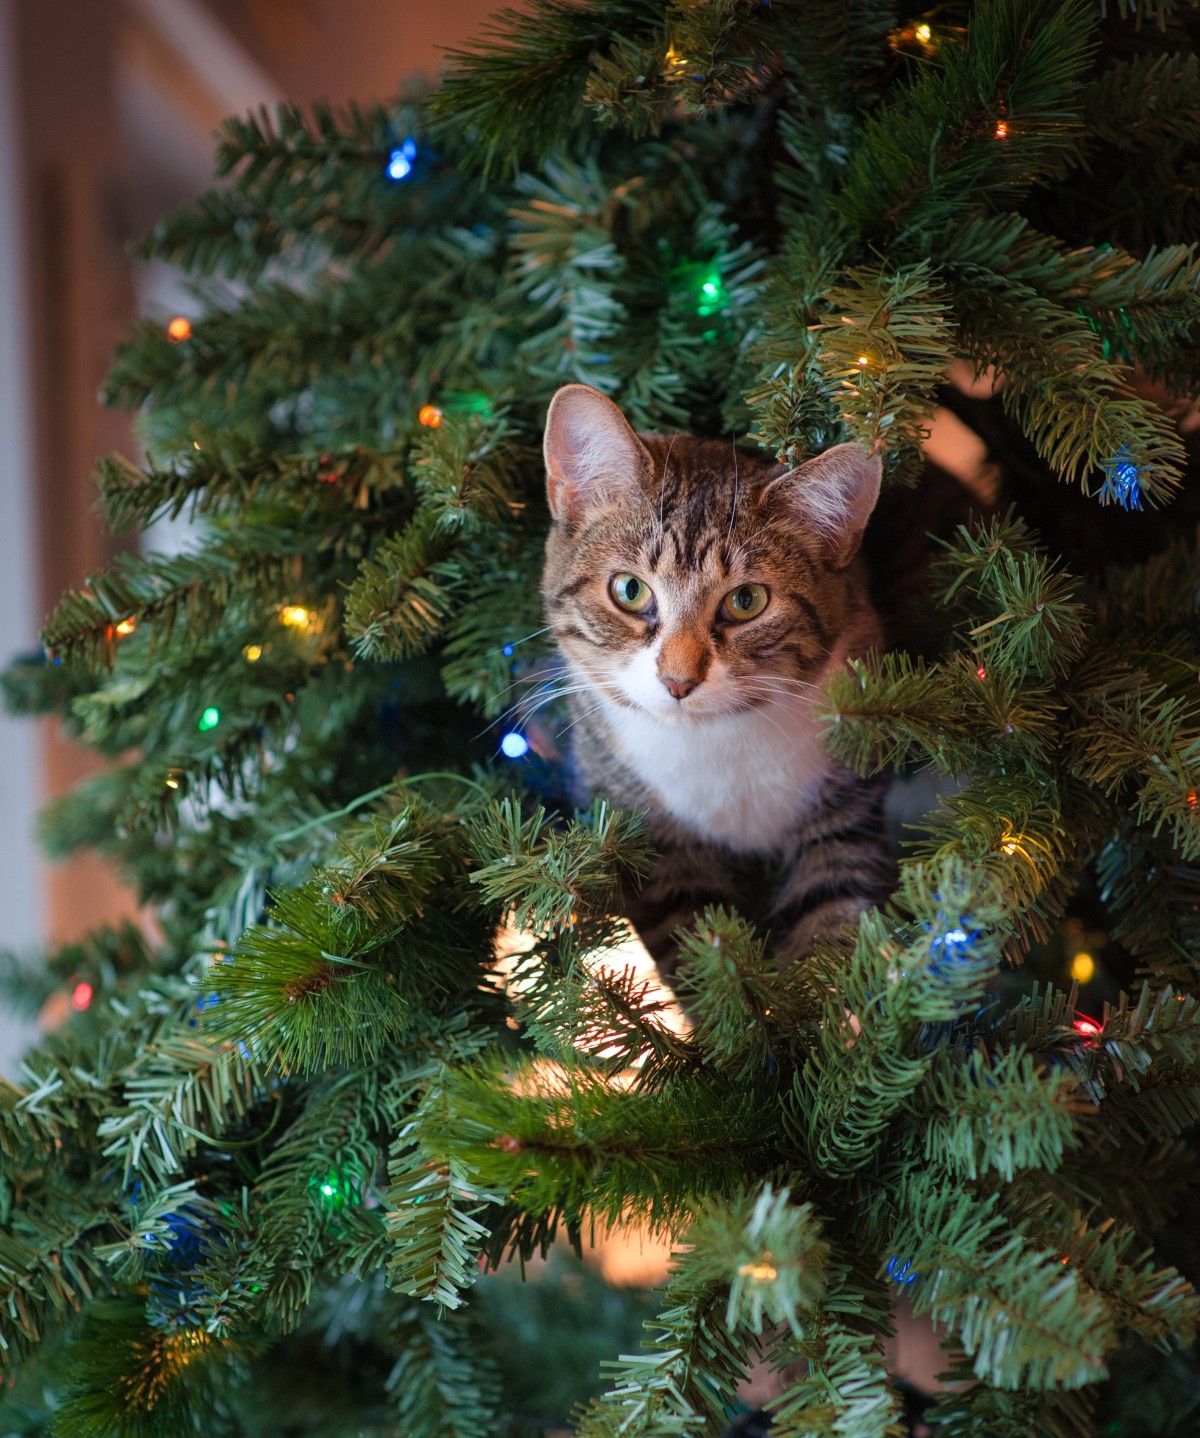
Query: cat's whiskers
506, 715
761, 712
525, 708
522, 713
538, 676
550, 691
782, 684
587, 713
525, 638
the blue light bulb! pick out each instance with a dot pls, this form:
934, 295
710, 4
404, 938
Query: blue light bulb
901, 1270
507, 651
951, 936
1122, 481
955, 941
400, 161
514, 745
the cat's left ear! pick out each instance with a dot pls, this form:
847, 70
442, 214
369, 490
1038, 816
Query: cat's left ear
591, 452
836, 493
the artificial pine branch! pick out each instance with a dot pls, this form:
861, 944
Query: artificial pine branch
1023, 1316
737, 201
442, 1384
193, 592
676, 1386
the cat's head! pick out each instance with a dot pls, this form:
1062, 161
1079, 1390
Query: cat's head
688, 579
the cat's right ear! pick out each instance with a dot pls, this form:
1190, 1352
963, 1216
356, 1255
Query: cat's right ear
835, 494
591, 452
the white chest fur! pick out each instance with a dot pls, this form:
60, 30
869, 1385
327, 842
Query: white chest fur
738, 779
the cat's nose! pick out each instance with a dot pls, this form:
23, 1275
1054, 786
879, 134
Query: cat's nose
678, 688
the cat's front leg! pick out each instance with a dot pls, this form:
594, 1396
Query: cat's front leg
685, 879
838, 866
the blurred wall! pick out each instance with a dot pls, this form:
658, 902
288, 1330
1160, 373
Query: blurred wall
19, 749
107, 110
350, 49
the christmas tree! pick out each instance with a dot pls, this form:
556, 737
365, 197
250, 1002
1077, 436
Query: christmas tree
254, 1184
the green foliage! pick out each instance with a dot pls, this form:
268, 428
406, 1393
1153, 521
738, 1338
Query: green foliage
844, 1390
535, 71
47, 1267
252, 1187
550, 1331
732, 989
570, 1143
769, 1252
933, 153
574, 1008
442, 1386
544, 872
1019, 1313
134, 1381
436, 1234
883, 355
693, 1360
1005, 1116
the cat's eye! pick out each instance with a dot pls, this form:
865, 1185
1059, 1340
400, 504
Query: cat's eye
631, 593
747, 601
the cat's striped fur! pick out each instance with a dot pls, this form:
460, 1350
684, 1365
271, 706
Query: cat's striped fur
708, 721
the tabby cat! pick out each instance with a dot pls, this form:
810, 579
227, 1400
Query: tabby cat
700, 596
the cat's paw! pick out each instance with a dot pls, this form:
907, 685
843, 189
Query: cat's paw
826, 922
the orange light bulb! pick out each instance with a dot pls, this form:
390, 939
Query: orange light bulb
429, 415
1083, 968
179, 329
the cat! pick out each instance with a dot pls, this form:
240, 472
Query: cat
699, 597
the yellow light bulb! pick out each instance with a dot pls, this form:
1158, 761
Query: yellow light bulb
864, 361
252, 653
296, 616
1083, 968
924, 34
762, 1272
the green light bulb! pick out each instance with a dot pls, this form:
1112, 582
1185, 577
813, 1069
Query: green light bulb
208, 720
712, 294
